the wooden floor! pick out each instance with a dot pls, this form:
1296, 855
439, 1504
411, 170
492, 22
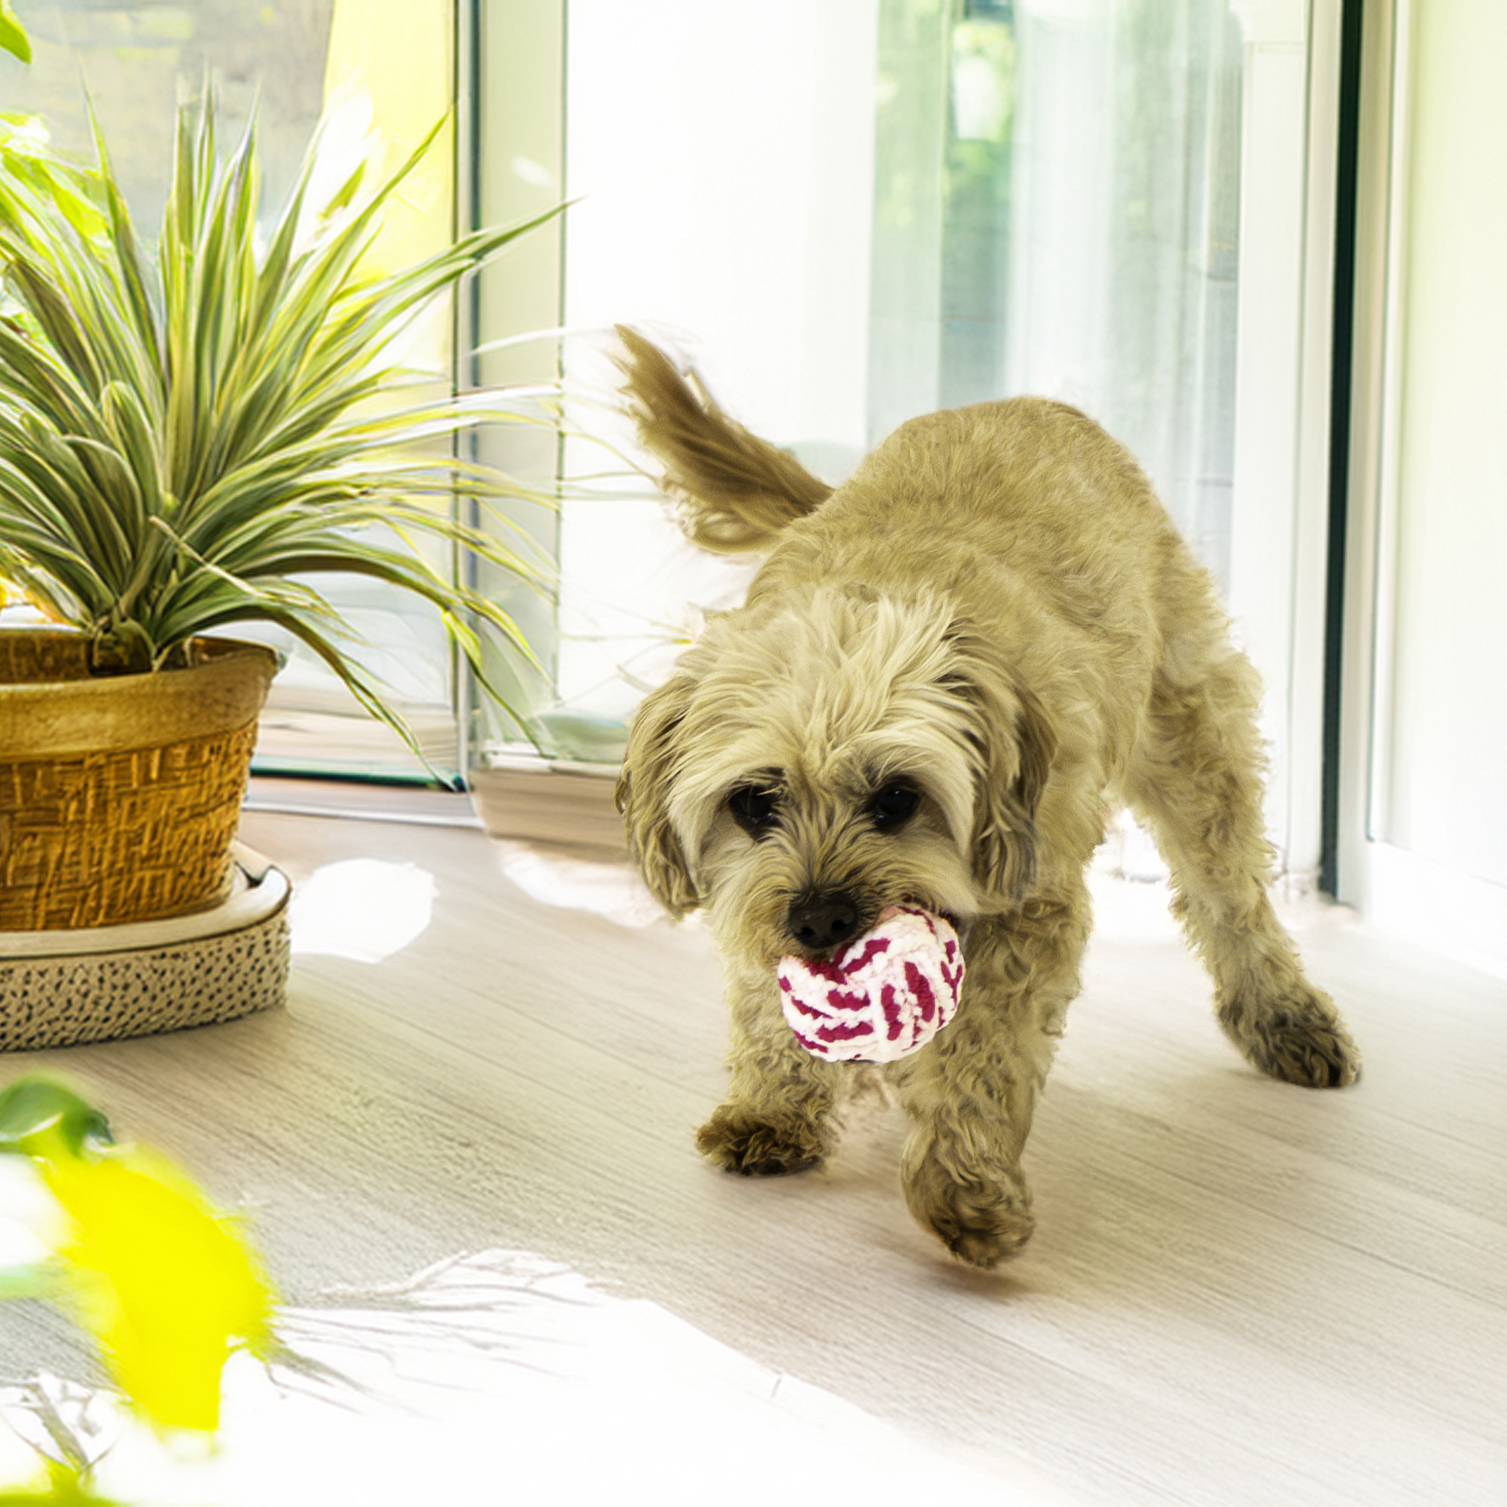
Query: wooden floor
1239, 1292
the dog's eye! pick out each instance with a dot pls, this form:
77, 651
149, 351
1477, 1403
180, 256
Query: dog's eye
893, 805
754, 809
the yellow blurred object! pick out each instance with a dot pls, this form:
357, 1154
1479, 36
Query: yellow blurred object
166, 1284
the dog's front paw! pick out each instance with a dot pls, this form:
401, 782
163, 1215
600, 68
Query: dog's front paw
1298, 1038
740, 1141
981, 1220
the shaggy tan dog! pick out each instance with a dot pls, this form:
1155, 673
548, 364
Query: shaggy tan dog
947, 673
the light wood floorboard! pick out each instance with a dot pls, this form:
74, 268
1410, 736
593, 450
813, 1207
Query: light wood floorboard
1239, 1292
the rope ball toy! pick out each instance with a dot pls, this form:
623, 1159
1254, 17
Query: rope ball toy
882, 996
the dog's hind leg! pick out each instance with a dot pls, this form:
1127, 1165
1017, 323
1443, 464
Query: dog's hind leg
777, 1115
1195, 780
971, 1092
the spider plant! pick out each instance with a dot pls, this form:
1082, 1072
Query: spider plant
188, 441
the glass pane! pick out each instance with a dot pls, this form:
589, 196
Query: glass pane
957, 200
721, 179
381, 69
135, 61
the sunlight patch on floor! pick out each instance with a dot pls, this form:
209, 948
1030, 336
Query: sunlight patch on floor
361, 908
505, 1377
603, 888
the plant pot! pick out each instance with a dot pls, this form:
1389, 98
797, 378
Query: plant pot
120, 795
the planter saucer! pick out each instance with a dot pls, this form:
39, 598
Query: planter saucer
59, 988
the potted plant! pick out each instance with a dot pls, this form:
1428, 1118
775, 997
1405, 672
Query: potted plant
185, 441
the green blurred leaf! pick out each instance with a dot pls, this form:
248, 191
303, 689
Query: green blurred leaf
31, 1108
13, 38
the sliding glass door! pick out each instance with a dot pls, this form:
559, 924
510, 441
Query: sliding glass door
848, 213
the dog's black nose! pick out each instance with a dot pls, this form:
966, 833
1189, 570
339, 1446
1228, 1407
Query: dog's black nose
819, 922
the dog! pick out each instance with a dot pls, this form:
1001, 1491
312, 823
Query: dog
947, 674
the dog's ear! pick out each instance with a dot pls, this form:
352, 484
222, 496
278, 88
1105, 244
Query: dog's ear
643, 796
1008, 793
1013, 745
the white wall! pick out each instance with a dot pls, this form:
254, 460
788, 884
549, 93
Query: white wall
1424, 821
1444, 798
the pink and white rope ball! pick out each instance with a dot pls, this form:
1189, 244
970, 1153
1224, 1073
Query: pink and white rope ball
883, 996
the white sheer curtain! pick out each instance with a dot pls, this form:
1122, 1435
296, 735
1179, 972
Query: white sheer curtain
1057, 212
1126, 195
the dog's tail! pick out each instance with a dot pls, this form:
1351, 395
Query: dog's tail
735, 491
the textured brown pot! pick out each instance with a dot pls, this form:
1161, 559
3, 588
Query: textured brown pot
119, 795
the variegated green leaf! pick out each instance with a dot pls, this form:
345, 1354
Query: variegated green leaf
187, 442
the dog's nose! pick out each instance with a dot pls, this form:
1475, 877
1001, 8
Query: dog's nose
820, 922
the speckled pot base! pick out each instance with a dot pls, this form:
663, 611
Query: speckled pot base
60, 988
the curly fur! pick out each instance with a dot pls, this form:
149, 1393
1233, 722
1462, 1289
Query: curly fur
996, 610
